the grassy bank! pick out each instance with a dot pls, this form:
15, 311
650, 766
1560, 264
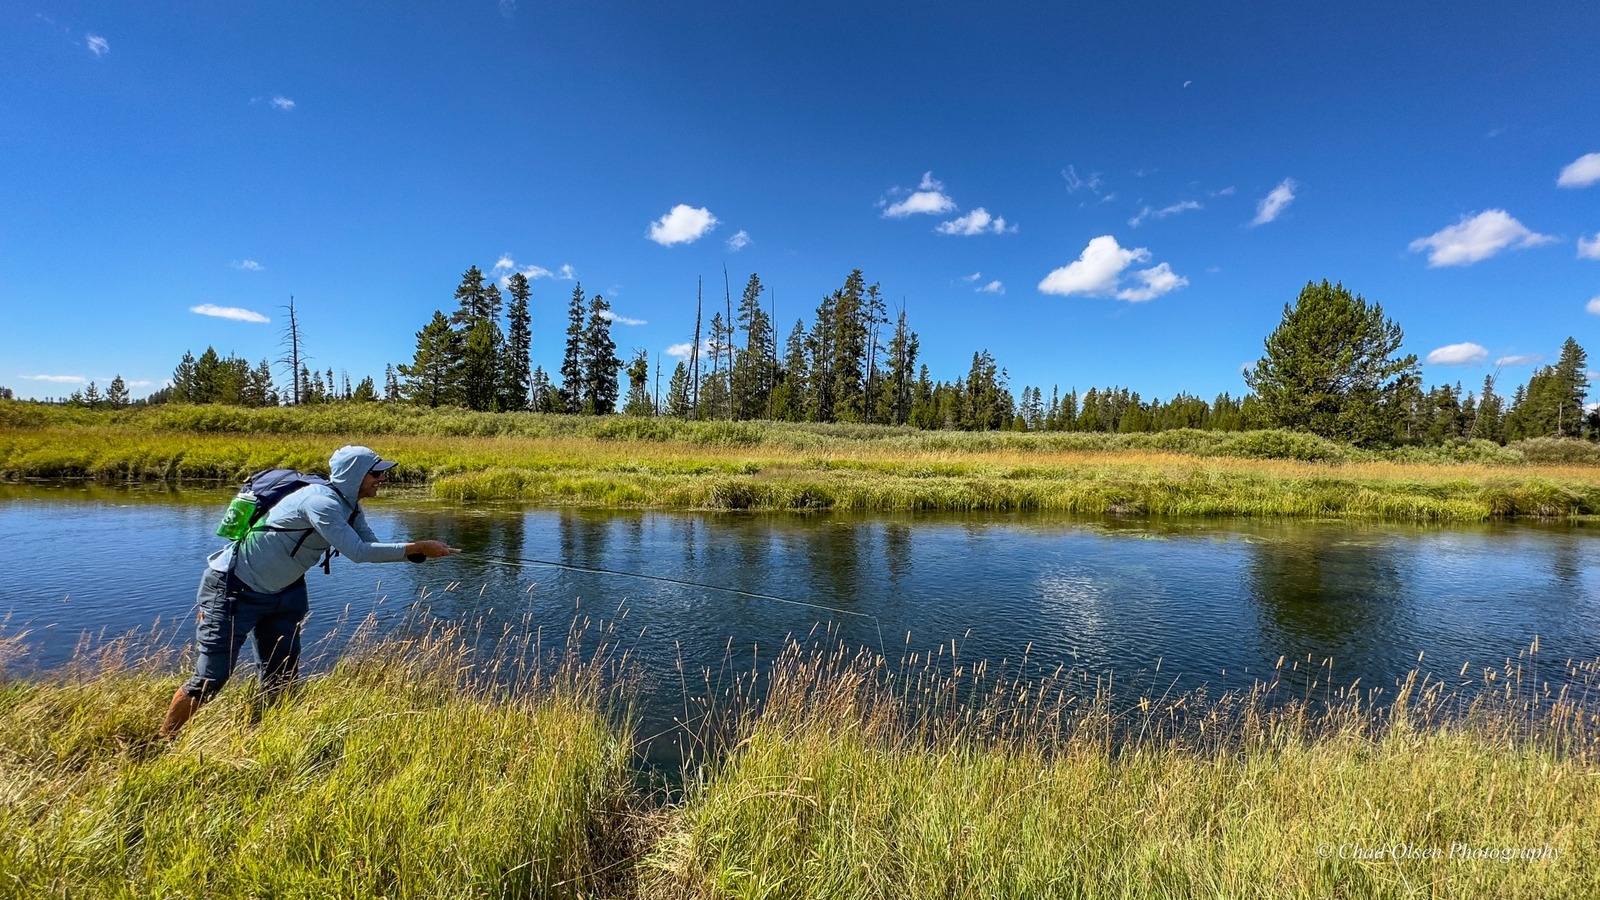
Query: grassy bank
389, 777
618, 461
399, 775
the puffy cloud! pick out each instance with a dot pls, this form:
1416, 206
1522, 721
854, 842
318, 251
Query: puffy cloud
928, 198
1150, 212
685, 224
1154, 282
1468, 354
248, 265
681, 351
973, 277
58, 379
1273, 204
1477, 238
1589, 248
976, 222
1593, 306
96, 44
1581, 172
229, 312
993, 287
282, 102
1098, 273
739, 241
621, 320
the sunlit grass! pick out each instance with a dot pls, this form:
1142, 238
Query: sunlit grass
424, 767
622, 462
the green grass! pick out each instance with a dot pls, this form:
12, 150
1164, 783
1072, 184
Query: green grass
668, 463
404, 771
388, 777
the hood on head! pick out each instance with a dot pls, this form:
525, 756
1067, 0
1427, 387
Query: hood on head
351, 463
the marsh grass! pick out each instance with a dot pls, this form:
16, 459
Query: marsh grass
668, 463
856, 778
439, 762
402, 772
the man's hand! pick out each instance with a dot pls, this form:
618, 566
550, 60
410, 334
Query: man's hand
417, 551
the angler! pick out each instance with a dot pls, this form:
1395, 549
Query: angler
281, 525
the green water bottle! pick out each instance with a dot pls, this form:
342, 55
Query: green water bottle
237, 520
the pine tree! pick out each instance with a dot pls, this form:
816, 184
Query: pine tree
482, 350
755, 365
515, 379
572, 371
543, 397
184, 384
679, 404
117, 393
1331, 368
638, 403
600, 362
91, 396
391, 384
365, 392
434, 377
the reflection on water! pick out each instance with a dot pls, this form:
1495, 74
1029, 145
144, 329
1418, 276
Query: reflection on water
1211, 602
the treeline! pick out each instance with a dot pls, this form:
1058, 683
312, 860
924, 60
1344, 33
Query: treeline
1331, 368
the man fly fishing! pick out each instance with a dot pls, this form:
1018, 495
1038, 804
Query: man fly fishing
257, 583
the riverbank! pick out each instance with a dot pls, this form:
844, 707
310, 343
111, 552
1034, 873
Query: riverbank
405, 772
666, 463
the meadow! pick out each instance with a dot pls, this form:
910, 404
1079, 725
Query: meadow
621, 461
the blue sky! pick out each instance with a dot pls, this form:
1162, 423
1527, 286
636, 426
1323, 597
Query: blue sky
1098, 193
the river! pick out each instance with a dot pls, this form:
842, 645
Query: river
1201, 602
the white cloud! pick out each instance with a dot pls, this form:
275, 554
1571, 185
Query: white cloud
621, 320
533, 273
685, 224
1156, 281
1589, 248
1098, 273
1096, 270
282, 102
1477, 238
1581, 172
247, 265
993, 287
96, 44
1273, 204
973, 277
1525, 360
228, 312
1467, 354
1593, 306
739, 241
1150, 212
976, 222
681, 351
928, 198
57, 379
140, 383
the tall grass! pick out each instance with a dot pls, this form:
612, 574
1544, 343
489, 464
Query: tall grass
400, 773
418, 767
858, 779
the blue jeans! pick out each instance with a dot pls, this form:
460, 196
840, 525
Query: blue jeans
228, 612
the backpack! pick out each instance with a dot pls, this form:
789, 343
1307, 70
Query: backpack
258, 495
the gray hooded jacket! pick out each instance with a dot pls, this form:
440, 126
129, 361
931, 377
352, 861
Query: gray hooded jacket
262, 559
